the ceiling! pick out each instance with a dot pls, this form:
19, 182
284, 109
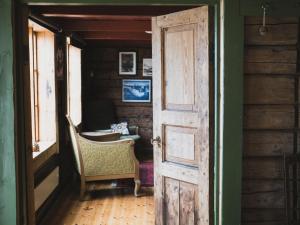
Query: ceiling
106, 24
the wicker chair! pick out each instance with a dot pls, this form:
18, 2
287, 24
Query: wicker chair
104, 160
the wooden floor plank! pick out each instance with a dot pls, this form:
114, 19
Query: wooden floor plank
114, 207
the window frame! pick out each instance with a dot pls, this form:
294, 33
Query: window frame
42, 150
68, 46
35, 87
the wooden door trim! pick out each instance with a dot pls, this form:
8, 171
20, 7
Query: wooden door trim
231, 112
26, 181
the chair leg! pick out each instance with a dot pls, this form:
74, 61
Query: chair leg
82, 190
137, 187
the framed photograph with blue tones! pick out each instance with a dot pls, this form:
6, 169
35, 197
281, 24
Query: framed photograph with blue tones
136, 91
127, 63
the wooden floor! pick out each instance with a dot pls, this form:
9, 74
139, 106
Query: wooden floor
118, 207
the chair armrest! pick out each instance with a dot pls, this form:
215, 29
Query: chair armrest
107, 158
101, 137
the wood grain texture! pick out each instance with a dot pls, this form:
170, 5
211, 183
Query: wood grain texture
264, 168
180, 145
181, 202
271, 54
274, 36
269, 98
114, 35
187, 196
267, 143
181, 117
268, 186
265, 223
271, 20
105, 25
171, 203
263, 89
115, 10
271, 215
269, 117
103, 208
265, 200
270, 68
179, 50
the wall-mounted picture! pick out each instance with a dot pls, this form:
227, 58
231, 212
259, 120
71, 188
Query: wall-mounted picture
147, 67
59, 57
136, 91
127, 63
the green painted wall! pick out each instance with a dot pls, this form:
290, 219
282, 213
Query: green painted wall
8, 205
231, 108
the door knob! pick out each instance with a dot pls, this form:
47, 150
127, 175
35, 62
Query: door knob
156, 140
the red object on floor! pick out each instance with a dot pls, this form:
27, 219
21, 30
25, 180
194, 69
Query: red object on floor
146, 173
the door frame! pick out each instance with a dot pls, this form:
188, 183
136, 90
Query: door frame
228, 97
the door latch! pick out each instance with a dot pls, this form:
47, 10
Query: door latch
156, 141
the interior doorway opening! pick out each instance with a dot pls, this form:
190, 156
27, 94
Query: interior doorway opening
116, 91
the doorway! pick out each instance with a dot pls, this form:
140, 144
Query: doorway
174, 107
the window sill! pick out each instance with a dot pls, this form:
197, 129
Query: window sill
43, 146
47, 149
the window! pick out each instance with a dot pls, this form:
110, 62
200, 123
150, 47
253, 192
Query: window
42, 86
74, 84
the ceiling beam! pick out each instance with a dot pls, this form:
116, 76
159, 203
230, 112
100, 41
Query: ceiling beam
118, 43
97, 17
109, 10
113, 26
100, 35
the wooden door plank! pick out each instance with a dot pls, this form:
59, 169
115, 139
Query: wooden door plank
182, 100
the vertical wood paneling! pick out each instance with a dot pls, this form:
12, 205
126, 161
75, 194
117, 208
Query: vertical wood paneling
188, 206
172, 202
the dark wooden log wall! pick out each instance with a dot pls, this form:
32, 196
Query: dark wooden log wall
271, 84
106, 83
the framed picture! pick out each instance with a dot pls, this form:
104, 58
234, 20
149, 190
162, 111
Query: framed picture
59, 57
127, 63
136, 91
147, 67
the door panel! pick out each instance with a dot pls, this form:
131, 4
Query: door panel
181, 104
180, 145
180, 199
178, 83
180, 204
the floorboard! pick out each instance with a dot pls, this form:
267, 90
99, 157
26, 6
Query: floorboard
112, 207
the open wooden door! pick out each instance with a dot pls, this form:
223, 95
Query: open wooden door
181, 109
